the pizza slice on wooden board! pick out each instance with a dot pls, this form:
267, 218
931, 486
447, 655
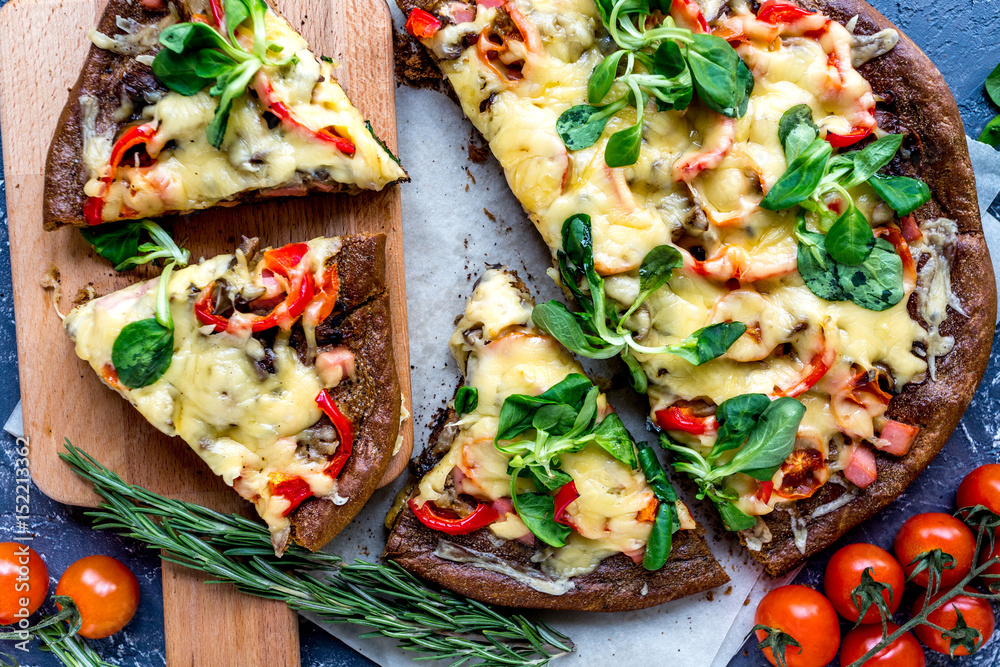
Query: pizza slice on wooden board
799, 169
276, 367
189, 105
531, 491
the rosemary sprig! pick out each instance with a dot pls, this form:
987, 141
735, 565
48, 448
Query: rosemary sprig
57, 638
986, 522
438, 624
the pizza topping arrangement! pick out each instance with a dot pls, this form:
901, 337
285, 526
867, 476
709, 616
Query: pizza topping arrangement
536, 456
239, 358
228, 103
721, 203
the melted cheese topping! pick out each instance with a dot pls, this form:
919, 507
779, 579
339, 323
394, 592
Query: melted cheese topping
189, 173
245, 424
698, 182
503, 354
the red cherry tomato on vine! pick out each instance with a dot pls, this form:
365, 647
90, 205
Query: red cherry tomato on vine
904, 652
843, 574
105, 591
981, 487
24, 582
977, 614
805, 615
923, 533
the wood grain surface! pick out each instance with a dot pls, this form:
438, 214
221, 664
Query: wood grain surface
61, 396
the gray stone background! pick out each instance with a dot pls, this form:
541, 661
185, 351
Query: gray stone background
961, 36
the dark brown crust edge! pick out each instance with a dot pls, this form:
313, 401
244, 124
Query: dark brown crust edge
618, 583
371, 400
103, 76
924, 105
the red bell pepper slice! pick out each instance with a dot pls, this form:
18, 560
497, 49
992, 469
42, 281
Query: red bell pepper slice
683, 419
687, 13
265, 91
813, 372
282, 260
775, 12
911, 231
483, 516
765, 491
294, 489
566, 494
422, 24
217, 13
285, 313
849, 139
137, 135
329, 291
345, 430
203, 308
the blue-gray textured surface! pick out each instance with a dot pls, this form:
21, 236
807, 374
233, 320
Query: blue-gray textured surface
959, 36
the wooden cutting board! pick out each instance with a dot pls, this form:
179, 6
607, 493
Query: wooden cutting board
45, 43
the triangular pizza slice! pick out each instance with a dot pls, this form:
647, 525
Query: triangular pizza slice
532, 492
203, 103
275, 367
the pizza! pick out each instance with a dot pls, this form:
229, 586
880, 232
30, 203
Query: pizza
767, 211
275, 367
184, 106
532, 493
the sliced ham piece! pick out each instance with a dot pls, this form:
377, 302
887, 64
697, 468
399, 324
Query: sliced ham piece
861, 469
896, 438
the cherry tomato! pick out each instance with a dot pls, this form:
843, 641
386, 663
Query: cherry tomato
904, 652
981, 487
843, 574
976, 613
24, 582
805, 615
923, 533
105, 591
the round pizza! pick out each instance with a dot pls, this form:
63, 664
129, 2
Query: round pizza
767, 212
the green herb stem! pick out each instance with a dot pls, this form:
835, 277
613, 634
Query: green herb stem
438, 625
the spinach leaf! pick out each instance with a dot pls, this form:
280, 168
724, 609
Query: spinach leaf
903, 194
661, 537
850, 239
466, 400
737, 416
802, 178
871, 158
119, 243
552, 479
993, 85
554, 419
600, 84
744, 88
515, 416
991, 133
797, 131
817, 268
770, 442
657, 267
571, 390
614, 438
715, 71
179, 72
637, 377
733, 518
668, 61
655, 476
624, 146
877, 283
581, 126
709, 342
142, 352
537, 511
554, 319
